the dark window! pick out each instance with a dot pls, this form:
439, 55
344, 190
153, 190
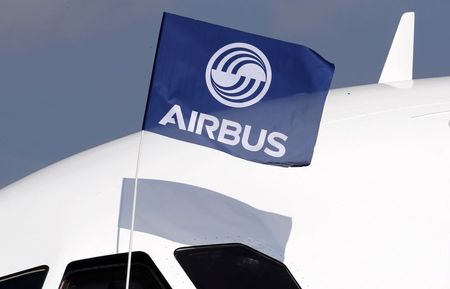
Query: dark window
29, 279
233, 266
109, 272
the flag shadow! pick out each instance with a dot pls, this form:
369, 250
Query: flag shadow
196, 216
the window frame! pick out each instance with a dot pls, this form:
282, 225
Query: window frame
138, 258
41, 268
202, 277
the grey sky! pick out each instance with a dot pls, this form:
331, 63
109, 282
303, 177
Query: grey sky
75, 73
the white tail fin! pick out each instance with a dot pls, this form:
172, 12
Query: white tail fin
399, 63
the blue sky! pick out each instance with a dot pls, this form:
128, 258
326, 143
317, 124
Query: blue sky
75, 73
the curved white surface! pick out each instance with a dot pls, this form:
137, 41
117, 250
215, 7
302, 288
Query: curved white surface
371, 211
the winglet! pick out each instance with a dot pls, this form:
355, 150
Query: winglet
399, 62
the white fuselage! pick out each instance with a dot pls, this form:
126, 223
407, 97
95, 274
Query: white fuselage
371, 211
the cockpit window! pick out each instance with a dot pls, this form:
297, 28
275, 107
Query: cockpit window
109, 272
233, 266
29, 279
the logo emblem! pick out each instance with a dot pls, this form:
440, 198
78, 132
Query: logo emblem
238, 75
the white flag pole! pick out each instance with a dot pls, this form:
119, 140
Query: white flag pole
130, 249
133, 213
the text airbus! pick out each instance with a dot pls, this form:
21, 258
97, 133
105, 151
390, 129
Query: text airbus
227, 131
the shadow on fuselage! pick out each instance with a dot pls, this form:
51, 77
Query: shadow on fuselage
196, 216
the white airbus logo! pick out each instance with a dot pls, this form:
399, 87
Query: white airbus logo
238, 75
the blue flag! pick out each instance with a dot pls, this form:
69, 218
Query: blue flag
250, 96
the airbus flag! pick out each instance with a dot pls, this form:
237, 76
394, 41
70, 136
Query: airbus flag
250, 96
